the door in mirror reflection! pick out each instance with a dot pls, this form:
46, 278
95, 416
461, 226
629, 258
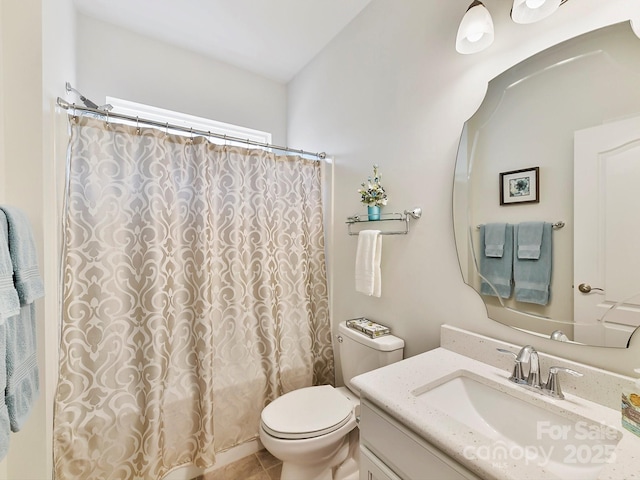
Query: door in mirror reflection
606, 231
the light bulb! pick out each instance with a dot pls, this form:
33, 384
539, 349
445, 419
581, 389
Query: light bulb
530, 11
535, 3
473, 37
475, 32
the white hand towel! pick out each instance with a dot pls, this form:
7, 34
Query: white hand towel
368, 256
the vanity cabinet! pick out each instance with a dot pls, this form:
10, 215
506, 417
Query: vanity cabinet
390, 451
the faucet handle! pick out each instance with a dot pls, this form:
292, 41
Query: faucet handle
508, 352
516, 376
570, 371
552, 386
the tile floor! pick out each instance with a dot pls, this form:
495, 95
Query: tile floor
259, 466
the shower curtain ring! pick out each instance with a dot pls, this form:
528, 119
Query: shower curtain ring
137, 125
108, 125
166, 128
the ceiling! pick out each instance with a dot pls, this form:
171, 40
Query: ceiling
273, 38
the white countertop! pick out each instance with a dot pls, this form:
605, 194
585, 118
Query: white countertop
390, 388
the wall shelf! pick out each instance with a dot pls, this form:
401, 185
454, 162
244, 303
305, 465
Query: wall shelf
405, 217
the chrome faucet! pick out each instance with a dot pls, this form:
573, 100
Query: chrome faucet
529, 355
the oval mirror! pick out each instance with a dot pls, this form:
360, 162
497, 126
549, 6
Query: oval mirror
546, 191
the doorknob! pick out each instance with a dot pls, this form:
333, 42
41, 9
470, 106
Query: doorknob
586, 288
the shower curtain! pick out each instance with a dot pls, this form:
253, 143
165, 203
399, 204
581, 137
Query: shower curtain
194, 293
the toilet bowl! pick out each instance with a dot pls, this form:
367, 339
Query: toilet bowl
312, 429
308, 429
309, 432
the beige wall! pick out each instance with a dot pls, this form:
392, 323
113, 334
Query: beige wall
391, 90
116, 62
58, 67
36, 60
3, 463
23, 181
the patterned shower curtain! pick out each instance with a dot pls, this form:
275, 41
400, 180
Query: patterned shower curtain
194, 294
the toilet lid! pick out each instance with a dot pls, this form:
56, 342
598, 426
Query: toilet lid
306, 413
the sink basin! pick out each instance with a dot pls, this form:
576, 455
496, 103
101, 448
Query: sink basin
564, 445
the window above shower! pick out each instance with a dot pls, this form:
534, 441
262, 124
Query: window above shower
171, 117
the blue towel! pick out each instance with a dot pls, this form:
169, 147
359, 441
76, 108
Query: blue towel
532, 277
494, 239
4, 413
496, 271
22, 248
529, 240
9, 301
23, 383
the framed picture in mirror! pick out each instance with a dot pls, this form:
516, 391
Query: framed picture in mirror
520, 186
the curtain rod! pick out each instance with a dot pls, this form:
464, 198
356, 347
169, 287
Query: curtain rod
76, 108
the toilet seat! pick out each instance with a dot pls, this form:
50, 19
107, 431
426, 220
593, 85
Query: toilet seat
306, 413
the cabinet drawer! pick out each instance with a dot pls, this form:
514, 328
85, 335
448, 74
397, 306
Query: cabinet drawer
372, 468
408, 455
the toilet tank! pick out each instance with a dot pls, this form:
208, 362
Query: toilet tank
360, 354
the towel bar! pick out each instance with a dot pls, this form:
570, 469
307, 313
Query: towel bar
414, 213
556, 226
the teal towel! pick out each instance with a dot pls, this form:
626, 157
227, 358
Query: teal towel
496, 271
494, 234
5, 428
529, 240
23, 383
532, 278
22, 377
22, 248
9, 301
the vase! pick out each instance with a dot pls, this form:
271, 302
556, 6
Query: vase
374, 213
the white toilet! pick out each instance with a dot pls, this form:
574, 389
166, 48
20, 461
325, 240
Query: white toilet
310, 429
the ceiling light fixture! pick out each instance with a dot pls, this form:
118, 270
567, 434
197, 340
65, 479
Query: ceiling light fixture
530, 11
475, 32
476, 29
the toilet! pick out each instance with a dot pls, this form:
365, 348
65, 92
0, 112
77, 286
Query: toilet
312, 430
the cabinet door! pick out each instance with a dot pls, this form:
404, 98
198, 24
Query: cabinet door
371, 468
410, 456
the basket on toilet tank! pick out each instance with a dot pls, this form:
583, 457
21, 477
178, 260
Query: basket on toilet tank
370, 328
360, 354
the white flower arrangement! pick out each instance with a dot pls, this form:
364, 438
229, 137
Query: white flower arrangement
372, 193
